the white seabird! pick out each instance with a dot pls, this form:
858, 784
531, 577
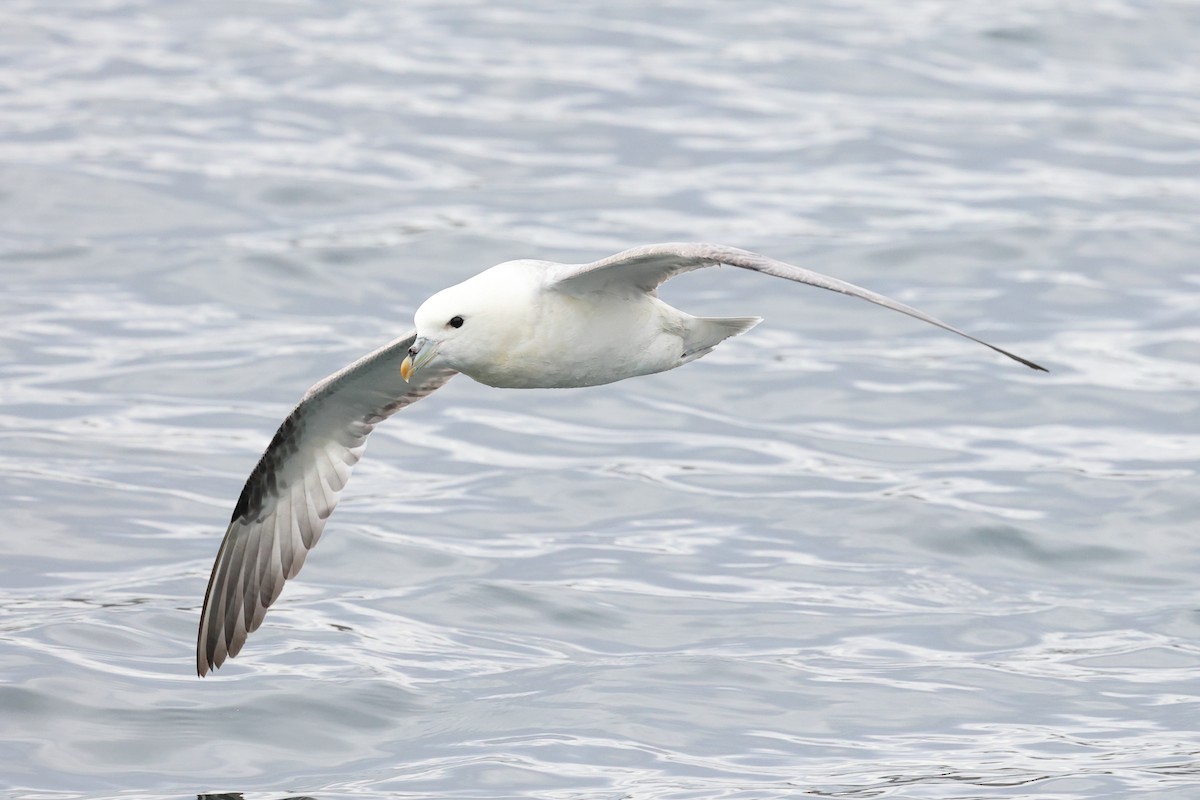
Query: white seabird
520, 324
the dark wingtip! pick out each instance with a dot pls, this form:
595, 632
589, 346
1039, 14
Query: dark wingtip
203, 665
1031, 364
1015, 357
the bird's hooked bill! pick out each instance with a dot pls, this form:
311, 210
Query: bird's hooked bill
421, 353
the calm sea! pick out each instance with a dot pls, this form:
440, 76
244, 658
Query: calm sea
846, 555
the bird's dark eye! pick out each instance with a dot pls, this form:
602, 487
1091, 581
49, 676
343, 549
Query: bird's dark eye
455, 322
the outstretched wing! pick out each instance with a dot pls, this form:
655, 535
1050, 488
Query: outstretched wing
293, 489
647, 267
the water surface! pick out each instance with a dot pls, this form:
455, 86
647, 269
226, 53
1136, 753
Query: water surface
843, 556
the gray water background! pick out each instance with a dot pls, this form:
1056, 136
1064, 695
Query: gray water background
846, 555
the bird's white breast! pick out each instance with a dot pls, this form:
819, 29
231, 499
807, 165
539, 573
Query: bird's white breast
571, 340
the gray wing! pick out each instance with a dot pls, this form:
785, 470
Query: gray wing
647, 267
293, 490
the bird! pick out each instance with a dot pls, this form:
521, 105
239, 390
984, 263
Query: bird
520, 324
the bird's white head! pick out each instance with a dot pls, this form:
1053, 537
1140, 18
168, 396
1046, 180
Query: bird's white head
472, 326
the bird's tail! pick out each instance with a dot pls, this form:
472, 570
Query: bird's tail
705, 333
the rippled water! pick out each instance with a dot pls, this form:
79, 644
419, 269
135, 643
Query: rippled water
843, 556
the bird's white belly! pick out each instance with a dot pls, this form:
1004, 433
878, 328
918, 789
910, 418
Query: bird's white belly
589, 341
